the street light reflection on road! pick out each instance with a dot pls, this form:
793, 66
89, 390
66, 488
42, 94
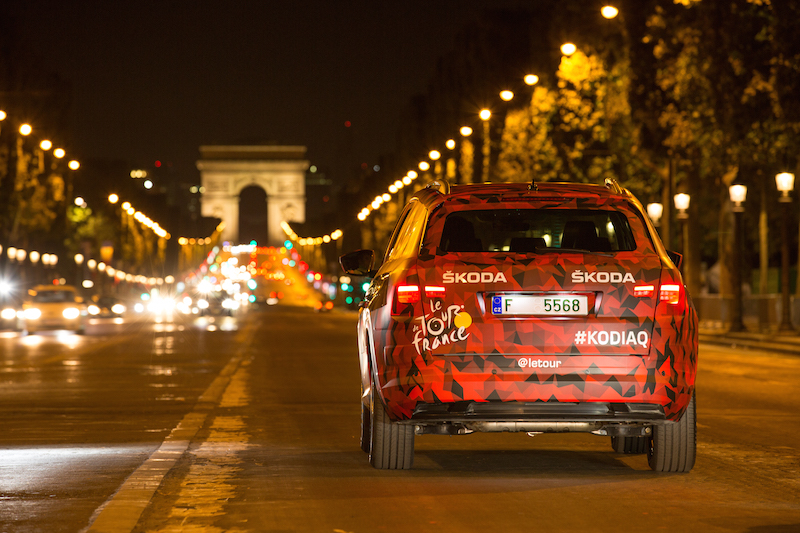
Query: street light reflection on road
28, 468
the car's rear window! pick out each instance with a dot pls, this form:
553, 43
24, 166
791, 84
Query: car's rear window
44, 297
526, 230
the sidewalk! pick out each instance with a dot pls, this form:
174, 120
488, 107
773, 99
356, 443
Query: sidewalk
753, 339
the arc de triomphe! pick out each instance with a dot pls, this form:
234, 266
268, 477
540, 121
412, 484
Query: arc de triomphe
280, 170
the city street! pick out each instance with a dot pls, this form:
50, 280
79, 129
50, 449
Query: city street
251, 424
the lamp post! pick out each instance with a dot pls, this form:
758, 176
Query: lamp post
34, 256
682, 205
486, 151
785, 183
466, 157
738, 194
78, 269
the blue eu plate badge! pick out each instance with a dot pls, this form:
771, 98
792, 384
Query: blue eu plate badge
497, 305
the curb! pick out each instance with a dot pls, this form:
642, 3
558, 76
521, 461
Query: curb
764, 343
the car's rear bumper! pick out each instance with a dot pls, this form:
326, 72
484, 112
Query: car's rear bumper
417, 387
615, 419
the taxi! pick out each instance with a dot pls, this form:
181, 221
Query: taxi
53, 307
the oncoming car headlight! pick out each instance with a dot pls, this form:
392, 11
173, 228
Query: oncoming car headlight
202, 304
93, 310
118, 309
9, 313
71, 313
32, 313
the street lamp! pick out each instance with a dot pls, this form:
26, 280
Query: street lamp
785, 183
486, 151
682, 204
78, 268
465, 131
654, 211
568, 49
531, 79
506, 96
738, 194
609, 12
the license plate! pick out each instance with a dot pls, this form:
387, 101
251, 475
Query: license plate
566, 305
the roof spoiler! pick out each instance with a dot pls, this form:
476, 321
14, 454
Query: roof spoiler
615, 187
440, 185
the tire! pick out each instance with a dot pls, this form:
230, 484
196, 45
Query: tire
630, 445
365, 425
674, 445
391, 444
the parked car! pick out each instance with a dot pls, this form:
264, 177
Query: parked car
53, 307
526, 307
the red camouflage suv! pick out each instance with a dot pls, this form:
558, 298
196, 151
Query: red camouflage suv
522, 307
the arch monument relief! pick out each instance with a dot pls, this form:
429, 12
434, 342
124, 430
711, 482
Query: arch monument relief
279, 170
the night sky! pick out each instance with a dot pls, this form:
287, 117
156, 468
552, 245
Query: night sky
155, 80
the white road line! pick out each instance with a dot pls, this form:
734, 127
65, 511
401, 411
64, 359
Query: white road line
122, 511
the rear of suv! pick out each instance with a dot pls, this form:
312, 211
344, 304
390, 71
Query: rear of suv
524, 308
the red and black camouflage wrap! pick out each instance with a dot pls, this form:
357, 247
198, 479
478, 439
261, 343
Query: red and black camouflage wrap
453, 349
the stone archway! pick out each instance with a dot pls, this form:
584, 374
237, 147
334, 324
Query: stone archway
280, 170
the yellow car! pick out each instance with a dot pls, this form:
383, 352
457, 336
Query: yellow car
53, 307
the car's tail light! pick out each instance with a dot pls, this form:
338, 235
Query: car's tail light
434, 291
671, 295
644, 291
408, 294
411, 294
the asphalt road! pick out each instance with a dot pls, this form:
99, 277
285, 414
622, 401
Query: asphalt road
252, 425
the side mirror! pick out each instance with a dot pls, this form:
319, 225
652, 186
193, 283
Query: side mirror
676, 258
358, 263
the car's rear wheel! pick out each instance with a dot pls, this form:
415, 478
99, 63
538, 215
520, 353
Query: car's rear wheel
674, 445
392, 444
630, 445
365, 425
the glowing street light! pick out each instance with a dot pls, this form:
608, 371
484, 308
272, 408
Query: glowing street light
25, 129
465, 131
434, 155
74, 165
59, 153
45, 145
531, 79
568, 49
424, 166
654, 211
113, 198
506, 96
785, 183
738, 194
450, 144
485, 114
682, 204
609, 12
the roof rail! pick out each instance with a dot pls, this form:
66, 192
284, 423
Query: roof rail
441, 185
612, 184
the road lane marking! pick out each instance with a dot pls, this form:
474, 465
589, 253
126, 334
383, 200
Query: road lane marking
122, 511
